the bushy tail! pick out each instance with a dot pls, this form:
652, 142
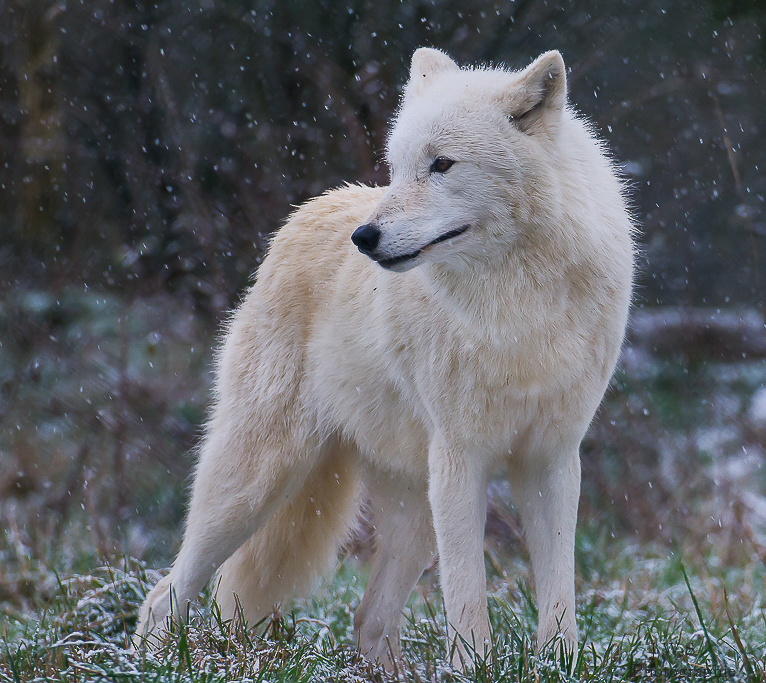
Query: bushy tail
297, 545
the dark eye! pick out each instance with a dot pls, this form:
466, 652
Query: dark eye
441, 165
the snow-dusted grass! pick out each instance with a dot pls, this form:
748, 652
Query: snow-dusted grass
643, 615
105, 396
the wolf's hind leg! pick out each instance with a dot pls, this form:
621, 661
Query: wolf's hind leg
298, 543
237, 486
405, 546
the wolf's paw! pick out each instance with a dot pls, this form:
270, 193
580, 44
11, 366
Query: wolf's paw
377, 641
159, 606
564, 648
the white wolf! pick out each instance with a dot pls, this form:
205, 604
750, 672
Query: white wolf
477, 330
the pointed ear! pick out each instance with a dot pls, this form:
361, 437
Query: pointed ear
426, 63
539, 97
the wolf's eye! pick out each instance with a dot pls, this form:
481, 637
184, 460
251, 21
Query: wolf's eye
441, 165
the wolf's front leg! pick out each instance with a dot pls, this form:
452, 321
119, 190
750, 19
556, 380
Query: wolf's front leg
548, 493
458, 496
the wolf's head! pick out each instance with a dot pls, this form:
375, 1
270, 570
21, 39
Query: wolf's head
471, 161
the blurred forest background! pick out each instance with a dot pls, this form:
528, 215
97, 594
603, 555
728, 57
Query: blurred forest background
148, 149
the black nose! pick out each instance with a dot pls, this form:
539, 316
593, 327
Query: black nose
366, 238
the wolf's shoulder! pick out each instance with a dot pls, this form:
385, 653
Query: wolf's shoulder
315, 240
325, 222
347, 204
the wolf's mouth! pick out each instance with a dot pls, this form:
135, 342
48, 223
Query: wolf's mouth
396, 260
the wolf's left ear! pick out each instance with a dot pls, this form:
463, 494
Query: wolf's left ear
539, 97
427, 62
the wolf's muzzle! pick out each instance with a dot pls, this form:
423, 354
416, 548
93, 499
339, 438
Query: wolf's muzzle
366, 238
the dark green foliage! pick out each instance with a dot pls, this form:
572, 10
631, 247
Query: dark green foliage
155, 145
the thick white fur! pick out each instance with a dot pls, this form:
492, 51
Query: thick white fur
340, 380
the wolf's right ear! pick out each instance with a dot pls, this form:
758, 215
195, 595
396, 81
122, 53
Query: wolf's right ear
539, 97
426, 63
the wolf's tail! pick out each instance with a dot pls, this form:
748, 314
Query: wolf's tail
298, 544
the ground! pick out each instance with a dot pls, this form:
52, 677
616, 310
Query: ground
104, 398
644, 615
